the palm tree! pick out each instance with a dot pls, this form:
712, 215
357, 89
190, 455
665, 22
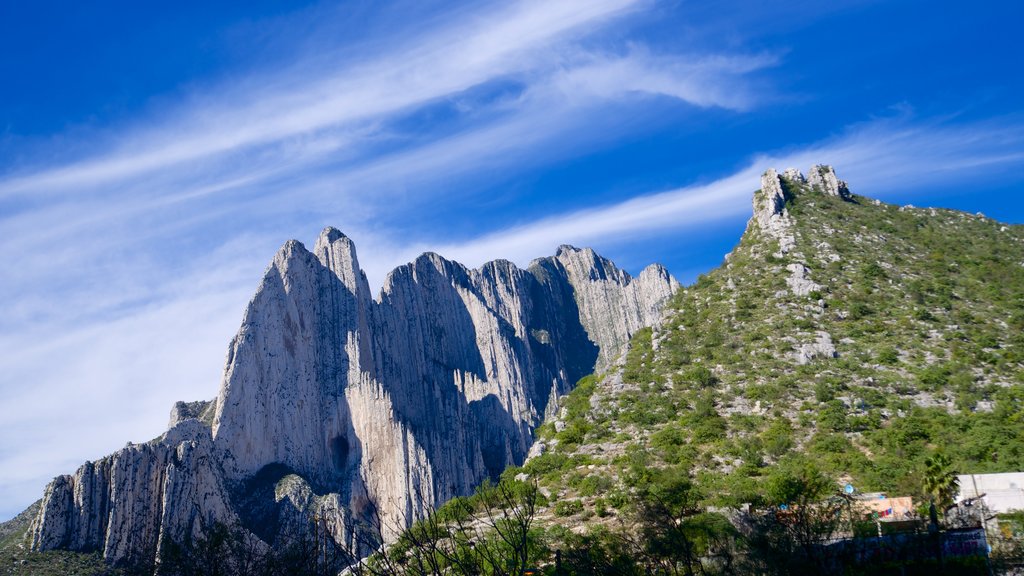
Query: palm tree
940, 481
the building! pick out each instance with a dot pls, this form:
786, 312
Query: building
883, 508
1001, 492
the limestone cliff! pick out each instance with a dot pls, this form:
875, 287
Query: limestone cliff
357, 408
125, 504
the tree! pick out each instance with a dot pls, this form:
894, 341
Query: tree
491, 532
940, 481
805, 513
664, 507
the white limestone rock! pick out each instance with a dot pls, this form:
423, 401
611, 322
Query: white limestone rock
301, 511
824, 178
770, 214
799, 280
794, 175
126, 503
390, 405
770, 200
415, 398
538, 449
822, 347
184, 410
612, 305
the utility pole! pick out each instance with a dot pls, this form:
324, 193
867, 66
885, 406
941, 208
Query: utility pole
933, 531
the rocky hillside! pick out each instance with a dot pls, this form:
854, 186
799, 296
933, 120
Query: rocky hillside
352, 410
842, 335
842, 340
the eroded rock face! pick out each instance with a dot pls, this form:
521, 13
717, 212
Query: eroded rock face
773, 220
412, 399
770, 212
799, 281
360, 406
125, 504
613, 307
822, 347
824, 178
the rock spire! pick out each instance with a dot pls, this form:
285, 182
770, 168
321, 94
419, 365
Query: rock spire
346, 406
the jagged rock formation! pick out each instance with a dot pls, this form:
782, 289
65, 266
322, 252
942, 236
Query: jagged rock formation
357, 408
772, 219
200, 410
124, 505
822, 347
770, 212
824, 178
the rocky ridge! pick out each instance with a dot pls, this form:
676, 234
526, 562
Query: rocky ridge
841, 334
361, 410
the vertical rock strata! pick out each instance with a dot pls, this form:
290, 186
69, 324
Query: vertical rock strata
334, 400
770, 212
824, 178
124, 504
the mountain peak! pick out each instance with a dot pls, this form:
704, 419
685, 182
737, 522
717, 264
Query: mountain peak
329, 234
845, 337
821, 178
777, 190
355, 398
824, 178
567, 249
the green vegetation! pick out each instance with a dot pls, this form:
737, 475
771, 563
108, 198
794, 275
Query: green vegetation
940, 483
715, 421
58, 563
925, 309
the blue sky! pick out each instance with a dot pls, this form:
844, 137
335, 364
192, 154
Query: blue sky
153, 158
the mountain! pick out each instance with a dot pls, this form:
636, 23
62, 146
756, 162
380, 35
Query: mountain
362, 413
843, 338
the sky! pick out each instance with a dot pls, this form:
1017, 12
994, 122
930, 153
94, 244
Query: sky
154, 156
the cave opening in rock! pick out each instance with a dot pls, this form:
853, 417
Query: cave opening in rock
339, 453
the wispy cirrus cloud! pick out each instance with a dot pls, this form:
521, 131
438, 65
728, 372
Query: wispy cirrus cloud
134, 359
883, 158
141, 251
520, 39
309, 137
717, 80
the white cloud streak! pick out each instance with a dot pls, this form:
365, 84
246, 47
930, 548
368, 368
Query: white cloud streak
131, 260
878, 158
307, 120
112, 251
126, 372
513, 41
261, 153
718, 81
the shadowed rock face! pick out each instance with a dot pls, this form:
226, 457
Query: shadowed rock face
355, 406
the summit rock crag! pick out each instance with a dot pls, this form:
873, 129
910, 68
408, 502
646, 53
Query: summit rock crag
357, 408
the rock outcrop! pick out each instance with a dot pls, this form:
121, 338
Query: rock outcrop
824, 178
124, 505
770, 212
799, 281
772, 218
822, 347
355, 408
